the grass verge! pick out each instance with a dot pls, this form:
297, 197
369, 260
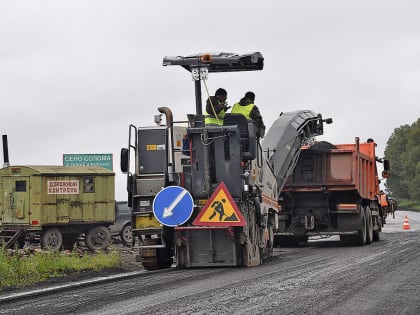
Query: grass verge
19, 270
404, 204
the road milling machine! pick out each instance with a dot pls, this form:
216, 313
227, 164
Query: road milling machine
208, 195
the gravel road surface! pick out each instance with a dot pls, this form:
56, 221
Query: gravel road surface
322, 277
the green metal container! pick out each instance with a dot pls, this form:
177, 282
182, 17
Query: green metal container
32, 197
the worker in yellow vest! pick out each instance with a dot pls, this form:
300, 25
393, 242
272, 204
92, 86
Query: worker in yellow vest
216, 107
251, 112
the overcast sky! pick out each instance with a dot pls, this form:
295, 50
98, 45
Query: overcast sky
74, 74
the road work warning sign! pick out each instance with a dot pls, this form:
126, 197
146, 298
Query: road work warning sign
220, 210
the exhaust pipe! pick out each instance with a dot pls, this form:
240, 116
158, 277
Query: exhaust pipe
168, 115
5, 152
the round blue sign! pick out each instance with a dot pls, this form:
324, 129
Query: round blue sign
173, 206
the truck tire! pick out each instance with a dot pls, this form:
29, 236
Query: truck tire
98, 238
369, 226
126, 235
376, 236
377, 233
155, 258
360, 238
51, 239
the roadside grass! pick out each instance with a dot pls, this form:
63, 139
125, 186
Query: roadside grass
20, 270
405, 204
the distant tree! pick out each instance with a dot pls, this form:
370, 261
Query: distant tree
395, 148
403, 152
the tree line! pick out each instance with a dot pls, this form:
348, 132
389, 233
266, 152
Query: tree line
403, 152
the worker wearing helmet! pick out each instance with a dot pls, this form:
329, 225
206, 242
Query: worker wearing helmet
251, 112
216, 108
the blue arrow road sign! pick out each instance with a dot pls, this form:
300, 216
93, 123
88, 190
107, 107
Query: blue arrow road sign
173, 206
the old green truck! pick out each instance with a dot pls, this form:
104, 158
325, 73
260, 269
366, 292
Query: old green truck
56, 205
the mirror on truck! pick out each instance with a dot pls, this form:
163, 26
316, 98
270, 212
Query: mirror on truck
385, 172
130, 190
386, 165
124, 160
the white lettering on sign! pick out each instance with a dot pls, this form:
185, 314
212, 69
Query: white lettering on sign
88, 158
57, 187
103, 160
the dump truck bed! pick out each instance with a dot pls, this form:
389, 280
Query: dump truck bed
342, 167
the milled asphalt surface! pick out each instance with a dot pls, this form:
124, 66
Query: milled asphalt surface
392, 226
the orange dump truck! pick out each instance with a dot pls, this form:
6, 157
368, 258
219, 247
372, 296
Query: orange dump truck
333, 190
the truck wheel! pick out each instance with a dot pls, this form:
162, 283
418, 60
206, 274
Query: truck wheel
360, 238
51, 239
251, 254
155, 258
377, 233
267, 250
98, 238
369, 226
376, 236
126, 235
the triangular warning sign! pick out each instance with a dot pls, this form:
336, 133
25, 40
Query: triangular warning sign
220, 210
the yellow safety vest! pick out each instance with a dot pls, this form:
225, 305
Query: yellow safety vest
244, 110
215, 121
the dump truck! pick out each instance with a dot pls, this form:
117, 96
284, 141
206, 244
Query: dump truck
56, 205
333, 190
211, 200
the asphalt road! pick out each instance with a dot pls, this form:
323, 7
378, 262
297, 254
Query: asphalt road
322, 277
